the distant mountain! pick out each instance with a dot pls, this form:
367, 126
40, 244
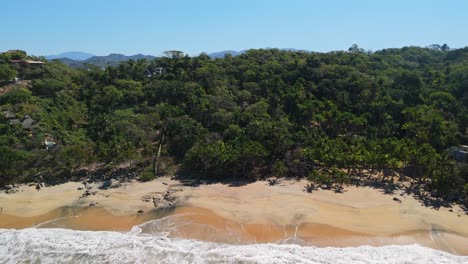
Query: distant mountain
234, 53
104, 61
114, 59
221, 54
72, 55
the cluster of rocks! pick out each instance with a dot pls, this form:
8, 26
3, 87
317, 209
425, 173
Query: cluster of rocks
123, 174
105, 173
167, 199
88, 190
11, 188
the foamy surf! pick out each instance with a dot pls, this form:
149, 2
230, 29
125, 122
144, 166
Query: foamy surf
70, 246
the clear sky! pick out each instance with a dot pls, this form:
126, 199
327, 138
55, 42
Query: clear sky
45, 27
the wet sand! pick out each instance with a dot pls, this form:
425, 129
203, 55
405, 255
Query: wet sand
250, 213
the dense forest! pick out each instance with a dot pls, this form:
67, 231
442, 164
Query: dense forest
334, 118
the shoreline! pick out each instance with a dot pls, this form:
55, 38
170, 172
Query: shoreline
249, 213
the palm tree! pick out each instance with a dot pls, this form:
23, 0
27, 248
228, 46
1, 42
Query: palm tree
442, 169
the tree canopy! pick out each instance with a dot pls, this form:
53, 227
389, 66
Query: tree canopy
265, 112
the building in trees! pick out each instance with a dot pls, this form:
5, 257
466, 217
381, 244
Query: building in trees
460, 153
27, 63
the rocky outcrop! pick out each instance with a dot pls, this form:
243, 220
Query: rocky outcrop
110, 184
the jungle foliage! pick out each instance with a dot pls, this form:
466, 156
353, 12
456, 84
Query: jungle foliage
266, 112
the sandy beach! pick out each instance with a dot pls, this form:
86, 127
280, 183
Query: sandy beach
242, 213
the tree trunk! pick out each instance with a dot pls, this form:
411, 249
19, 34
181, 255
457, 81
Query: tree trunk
156, 160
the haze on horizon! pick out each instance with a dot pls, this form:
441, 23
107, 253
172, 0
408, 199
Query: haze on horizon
151, 27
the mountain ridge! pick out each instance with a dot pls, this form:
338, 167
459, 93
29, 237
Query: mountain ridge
78, 59
72, 55
112, 59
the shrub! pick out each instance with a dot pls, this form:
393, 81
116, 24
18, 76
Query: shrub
16, 96
146, 174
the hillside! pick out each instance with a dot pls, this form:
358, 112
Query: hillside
334, 118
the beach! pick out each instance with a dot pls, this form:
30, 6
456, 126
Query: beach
241, 213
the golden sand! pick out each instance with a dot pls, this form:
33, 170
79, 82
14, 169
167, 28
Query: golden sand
251, 213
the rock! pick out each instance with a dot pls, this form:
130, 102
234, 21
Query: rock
396, 199
168, 197
140, 212
450, 210
11, 189
111, 183
164, 183
86, 193
156, 201
79, 188
92, 204
106, 184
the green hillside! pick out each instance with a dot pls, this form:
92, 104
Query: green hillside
336, 117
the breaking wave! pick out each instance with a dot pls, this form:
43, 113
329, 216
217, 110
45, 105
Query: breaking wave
55, 245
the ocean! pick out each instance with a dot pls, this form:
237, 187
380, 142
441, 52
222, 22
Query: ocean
58, 245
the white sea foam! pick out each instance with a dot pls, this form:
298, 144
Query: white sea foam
70, 246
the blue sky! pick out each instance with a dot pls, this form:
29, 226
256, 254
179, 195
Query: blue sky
44, 27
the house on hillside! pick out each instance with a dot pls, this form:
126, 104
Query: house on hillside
28, 122
27, 63
49, 142
157, 71
460, 153
14, 122
9, 114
